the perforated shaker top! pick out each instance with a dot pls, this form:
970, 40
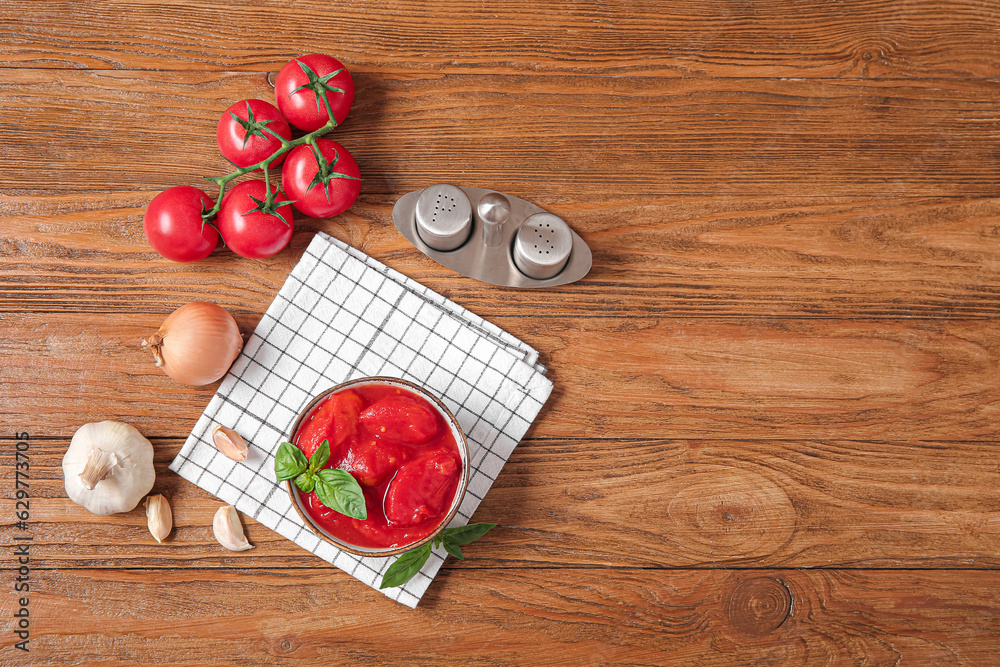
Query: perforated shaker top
443, 216
542, 246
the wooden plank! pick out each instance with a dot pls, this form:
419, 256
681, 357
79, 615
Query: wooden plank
785, 358
747, 257
594, 503
564, 617
782, 38
629, 377
632, 138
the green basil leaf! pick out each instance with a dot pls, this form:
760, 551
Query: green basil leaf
320, 456
289, 461
405, 567
338, 490
465, 534
306, 481
453, 549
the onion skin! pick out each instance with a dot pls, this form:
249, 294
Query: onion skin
196, 344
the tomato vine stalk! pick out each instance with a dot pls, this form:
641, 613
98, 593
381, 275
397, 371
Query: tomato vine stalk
267, 206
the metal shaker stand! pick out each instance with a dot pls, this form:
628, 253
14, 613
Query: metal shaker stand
490, 256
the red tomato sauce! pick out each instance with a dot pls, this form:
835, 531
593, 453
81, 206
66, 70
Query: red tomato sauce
402, 453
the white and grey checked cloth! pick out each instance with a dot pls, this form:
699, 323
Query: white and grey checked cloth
343, 315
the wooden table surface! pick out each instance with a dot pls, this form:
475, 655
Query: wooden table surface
774, 429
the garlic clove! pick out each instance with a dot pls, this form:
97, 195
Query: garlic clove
159, 518
230, 443
228, 529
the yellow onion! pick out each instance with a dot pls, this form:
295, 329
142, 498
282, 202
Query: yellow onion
196, 344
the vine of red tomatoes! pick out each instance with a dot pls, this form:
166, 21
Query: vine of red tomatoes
319, 177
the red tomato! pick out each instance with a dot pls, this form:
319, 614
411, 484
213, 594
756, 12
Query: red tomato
300, 84
321, 190
372, 463
317, 508
346, 406
312, 435
250, 232
401, 419
243, 132
336, 420
174, 226
422, 488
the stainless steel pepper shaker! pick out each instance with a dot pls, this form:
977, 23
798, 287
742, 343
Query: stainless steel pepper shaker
542, 246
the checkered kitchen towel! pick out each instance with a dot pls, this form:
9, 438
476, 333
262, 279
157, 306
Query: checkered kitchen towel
343, 315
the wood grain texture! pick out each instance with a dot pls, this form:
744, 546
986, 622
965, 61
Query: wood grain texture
614, 377
783, 38
600, 503
501, 617
695, 137
773, 432
752, 257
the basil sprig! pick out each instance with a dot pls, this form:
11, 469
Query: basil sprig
407, 565
336, 488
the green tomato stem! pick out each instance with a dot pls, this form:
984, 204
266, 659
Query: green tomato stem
265, 164
269, 197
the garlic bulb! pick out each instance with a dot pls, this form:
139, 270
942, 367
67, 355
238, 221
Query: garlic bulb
228, 529
108, 467
159, 518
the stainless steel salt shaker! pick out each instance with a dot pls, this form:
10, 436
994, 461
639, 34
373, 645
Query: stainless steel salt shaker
444, 216
542, 246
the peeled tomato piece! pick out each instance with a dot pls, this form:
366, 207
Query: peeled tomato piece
402, 419
422, 488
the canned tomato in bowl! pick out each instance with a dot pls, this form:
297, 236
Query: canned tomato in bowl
407, 453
